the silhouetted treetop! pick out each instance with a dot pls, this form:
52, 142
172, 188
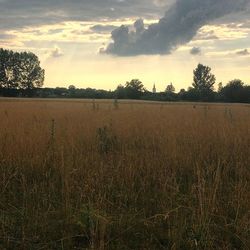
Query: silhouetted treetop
135, 85
203, 78
20, 70
170, 88
235, 91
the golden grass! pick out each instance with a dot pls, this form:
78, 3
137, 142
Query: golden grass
84, 175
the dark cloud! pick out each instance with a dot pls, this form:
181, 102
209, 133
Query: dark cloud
6, 36
195, 51
16, 14
179, 25
243, 52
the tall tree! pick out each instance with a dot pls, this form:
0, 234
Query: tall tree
134, 89
203, 78
30, 73
170, 88
203, 81
20, 70
7, 69
136, 85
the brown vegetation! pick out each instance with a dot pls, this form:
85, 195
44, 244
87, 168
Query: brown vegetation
92, 175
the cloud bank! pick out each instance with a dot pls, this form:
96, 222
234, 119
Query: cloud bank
178, 26
15, 14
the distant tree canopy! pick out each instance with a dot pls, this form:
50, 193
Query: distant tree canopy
72, 87
20, 70
170, 88
132, 90
235, 91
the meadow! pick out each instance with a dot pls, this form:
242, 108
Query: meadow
124, 175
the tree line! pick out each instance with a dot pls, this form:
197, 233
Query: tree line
22, 75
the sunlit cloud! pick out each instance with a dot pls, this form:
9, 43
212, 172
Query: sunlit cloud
229, 53
55, 52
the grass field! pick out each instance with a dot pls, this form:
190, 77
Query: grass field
126, 175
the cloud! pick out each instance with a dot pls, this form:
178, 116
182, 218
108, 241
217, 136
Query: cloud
55, 52
6, 36
245, 25
15, 14
55, 31
229, 53
179, 25
102, 28
206, 36
243, 52
195, 51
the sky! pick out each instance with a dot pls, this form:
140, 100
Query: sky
103, 43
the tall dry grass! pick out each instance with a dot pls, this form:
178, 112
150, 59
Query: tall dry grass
108, 175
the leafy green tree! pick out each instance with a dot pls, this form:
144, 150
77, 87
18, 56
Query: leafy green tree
72, 87
220, 86
233, 91
192, 95
72, 90
203, 82
134, 89
120, 92
170, 88
30, 73
136, 85
203, 78
7, 69
20, 70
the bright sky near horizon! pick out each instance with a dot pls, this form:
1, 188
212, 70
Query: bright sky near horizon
73, 39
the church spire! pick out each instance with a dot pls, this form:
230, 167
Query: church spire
154, 89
